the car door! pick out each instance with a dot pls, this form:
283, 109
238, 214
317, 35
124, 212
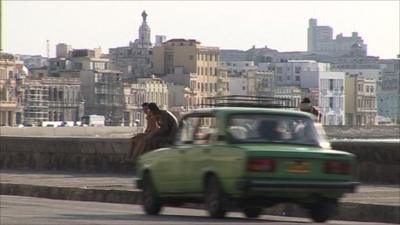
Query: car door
197, 156
168, 170
170, 164
175, 160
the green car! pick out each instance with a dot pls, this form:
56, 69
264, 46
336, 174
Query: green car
247, 158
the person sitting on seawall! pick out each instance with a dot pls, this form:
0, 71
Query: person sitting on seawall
306, 106
167, 126
151, 126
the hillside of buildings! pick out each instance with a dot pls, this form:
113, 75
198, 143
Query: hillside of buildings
347, 86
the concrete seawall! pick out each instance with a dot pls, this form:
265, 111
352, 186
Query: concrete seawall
378, 162
332, 132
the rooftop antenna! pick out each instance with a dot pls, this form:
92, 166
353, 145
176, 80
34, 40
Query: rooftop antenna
48, 48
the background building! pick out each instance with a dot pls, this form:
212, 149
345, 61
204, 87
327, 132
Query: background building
320, 41
135, 60
12, 78
135, 96
189, 57
332, 98
361, 105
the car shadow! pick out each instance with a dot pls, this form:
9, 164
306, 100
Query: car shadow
167, 218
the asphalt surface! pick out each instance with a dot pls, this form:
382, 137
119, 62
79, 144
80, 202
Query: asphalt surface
370, 203
365, 194
40, 211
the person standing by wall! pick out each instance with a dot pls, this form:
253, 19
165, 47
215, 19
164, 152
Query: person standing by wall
306, 106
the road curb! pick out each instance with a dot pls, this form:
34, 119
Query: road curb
346, 211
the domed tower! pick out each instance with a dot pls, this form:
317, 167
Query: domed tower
144, 31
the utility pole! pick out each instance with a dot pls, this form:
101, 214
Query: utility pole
47, 48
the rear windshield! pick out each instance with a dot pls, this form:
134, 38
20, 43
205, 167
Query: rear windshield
266, 128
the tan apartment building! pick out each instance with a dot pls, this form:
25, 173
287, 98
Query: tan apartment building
189, 55
360, 101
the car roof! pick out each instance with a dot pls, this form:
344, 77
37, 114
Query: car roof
252, 110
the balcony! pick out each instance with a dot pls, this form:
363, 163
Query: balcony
8, 104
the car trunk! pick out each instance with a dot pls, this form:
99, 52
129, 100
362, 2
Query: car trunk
295, 162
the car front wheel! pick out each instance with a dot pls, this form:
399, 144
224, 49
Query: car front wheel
215, 198
324, 209
151, 203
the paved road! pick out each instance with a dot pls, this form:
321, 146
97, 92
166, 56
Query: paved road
365, 194
38, 211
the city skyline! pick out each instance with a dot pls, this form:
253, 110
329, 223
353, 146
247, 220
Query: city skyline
227, 25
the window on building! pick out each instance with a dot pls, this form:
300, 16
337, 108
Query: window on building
279, 69
297, 69
331, 84
372, 89
297, 78
330, 102
360, 87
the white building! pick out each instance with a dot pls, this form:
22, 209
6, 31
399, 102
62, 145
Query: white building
239, 85
293, 72
237, 67
332, 98
156, 90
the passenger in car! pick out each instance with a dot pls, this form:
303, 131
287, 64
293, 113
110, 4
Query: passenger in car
269, 129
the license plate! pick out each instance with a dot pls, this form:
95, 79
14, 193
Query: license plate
298, 167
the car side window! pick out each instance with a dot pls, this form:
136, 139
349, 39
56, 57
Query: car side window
185, 134
204, 133
197, 130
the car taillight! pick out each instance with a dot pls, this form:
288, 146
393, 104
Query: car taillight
261, 165
337, 167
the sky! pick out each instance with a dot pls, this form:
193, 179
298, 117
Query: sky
280, 25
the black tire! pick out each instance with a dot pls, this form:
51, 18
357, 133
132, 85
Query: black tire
151, 203
252, 212
215, 198
324, 209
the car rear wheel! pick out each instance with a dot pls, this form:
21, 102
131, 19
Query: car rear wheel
252, 212
215, 198
324, 209
151, 203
